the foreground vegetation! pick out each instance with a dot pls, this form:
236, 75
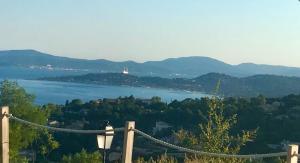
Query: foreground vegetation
230, 125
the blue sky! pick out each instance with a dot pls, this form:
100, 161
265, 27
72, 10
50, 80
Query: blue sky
235, 31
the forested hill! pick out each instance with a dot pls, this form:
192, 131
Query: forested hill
267, 85
34, 64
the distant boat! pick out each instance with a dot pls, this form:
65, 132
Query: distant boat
125, 71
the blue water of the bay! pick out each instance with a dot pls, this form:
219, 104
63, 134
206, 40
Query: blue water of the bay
59, 92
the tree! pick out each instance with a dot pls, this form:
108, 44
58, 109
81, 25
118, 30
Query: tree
186, 138
44, 144
160, 159
83, 157
215, 134
155, 99
21, 105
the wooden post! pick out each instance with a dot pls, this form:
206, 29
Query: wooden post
5, 135
292, 156
128, 142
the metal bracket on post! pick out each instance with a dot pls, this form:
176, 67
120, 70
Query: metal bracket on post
4, 135
128, 142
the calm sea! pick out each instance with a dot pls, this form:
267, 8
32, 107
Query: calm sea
59, 92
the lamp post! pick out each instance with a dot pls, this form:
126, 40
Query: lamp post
104, 141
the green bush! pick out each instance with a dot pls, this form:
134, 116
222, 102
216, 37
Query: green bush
83, 157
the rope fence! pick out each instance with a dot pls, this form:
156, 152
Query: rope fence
62, 129
155, 140
192, 151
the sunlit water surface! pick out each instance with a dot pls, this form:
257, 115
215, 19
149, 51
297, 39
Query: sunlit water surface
59, 92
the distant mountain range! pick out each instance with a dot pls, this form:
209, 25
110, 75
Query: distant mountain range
267, 85
34, 64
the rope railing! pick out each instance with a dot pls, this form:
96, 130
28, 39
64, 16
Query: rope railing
62, 129
193, 151
155, 140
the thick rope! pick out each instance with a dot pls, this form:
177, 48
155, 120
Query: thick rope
62, 129
182, 149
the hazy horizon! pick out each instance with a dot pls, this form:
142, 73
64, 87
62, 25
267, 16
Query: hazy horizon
258, 31
57, 55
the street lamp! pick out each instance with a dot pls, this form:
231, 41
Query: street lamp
104, 141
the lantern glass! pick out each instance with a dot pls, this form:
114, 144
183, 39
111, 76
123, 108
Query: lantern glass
104, 141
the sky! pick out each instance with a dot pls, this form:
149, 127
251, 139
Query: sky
234, 31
